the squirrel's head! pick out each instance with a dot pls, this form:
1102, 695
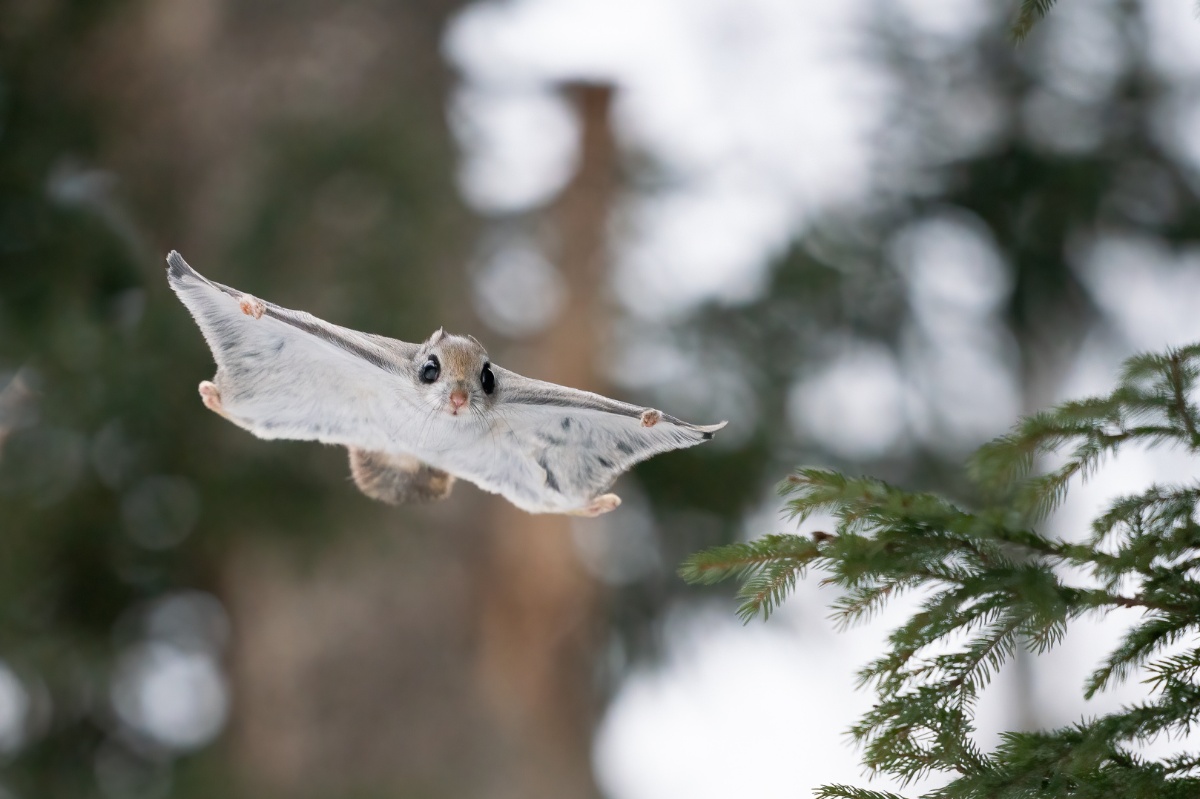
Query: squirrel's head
455, 373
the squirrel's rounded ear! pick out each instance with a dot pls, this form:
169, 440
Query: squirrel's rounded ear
477, 344
437, 336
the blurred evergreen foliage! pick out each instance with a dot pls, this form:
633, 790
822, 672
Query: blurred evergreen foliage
118, 494
989, 582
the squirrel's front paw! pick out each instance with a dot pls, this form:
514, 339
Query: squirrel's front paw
252, 306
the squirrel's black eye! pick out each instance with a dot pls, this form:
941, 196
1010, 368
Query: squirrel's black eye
431, 370
487, 379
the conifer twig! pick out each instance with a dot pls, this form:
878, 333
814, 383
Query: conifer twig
988, 581
1181, 404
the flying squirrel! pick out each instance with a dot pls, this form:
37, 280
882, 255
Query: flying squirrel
415, 417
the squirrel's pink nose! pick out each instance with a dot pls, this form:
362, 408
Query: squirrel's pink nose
458, 398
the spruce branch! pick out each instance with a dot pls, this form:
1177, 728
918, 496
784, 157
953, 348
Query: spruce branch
1150, 407
768, 569
1181, 763
988, 581
1138, 646
1183, 377
849, 792
1030, 13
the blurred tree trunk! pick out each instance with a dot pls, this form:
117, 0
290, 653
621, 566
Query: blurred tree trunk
359, 670
540, 630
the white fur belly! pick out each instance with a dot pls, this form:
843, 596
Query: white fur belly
509, 471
